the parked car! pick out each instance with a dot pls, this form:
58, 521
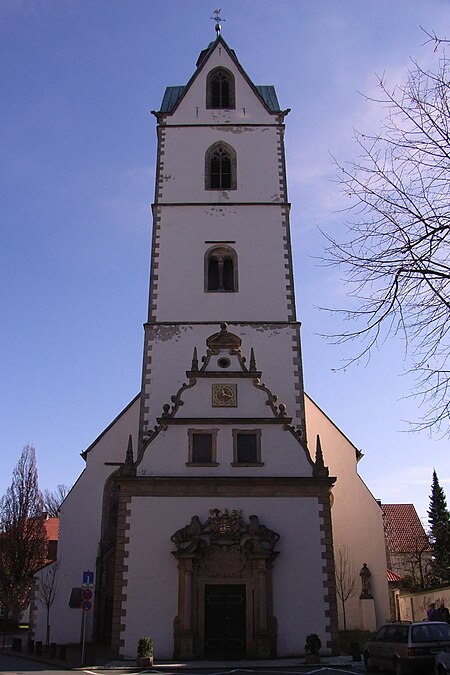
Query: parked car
406, 647
442, 662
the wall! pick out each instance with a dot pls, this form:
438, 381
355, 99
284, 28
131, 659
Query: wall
356, 516
152, 577
413, 606
80, 527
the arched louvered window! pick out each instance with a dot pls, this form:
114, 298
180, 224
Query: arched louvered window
220, 89
220, 167
221, 270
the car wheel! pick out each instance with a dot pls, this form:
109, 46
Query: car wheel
398, 668
369, 665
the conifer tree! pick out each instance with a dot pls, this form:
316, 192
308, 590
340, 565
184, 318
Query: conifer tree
439, 521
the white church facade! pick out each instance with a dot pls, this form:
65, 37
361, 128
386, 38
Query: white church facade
212, 506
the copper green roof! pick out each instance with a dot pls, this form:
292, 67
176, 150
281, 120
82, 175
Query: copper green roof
269, 96
170, 98
266, 91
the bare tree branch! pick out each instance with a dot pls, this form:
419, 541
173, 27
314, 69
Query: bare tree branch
54, 498
346, 578
396, 256
48, 587
23, 537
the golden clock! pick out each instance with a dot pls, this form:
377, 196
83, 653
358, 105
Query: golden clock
224, 395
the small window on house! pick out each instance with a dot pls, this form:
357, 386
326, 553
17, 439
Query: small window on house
220, 167
202, 447
220, 89
221, 269
247, 447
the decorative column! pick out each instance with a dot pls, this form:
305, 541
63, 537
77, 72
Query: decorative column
265, 632
183, 629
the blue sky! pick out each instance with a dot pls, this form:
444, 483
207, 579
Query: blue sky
79, 79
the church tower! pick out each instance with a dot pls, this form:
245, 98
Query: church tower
206, 514
221, 242
203, 517
224, 514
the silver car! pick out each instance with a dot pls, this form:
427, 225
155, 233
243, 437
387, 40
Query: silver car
442, 662
406, 647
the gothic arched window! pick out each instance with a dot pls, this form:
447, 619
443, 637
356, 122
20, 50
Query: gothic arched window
220, 89
220, 167
221, 270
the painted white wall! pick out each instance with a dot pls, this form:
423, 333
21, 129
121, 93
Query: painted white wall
80, 526
257, 234
152, 576
257, 164
193, 106
281, 454
356, 516
172, 349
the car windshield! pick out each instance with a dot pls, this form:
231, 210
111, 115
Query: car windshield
431, 632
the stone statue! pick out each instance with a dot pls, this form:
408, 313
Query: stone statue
259, 537
189, 538
366, 591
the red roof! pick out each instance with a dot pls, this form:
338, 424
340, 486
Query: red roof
52, 528
403, 529
392, 576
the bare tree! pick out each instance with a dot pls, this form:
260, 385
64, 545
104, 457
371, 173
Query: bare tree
48, 586
416, 564
346, 578
396, 256
23, 538
54, 498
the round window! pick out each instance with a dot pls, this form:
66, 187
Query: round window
223, 362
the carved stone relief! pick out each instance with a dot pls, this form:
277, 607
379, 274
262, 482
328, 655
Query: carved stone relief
225, 549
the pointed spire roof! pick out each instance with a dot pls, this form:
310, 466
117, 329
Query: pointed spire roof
173, 95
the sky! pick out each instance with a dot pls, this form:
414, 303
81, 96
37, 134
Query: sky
78, 80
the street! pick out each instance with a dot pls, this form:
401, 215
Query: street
17, 665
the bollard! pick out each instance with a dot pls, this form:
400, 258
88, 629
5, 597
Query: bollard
53, 650
355, 650
38, 648
16, 645
30, 646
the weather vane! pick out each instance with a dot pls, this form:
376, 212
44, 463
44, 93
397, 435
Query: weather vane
218, 19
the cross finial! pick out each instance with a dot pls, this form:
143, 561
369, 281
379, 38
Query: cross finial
217, 18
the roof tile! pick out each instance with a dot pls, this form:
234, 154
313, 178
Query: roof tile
403, 529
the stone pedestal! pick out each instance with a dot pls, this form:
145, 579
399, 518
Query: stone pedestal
367, 614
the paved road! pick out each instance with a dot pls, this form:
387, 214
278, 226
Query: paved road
15, 665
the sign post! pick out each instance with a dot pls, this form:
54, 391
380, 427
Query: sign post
86, 606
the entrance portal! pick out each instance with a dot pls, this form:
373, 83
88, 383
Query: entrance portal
225, 617
225, 608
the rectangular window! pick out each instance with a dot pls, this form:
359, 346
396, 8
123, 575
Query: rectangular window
247, 447
202, 447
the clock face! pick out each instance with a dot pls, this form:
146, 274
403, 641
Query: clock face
224, 395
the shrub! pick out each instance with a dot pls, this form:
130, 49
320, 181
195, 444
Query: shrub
313, 644
145, 647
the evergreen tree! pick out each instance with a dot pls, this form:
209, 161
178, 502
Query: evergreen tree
439, 520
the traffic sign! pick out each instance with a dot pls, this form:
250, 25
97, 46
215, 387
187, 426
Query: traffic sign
88, 578
86, 594
86, 605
